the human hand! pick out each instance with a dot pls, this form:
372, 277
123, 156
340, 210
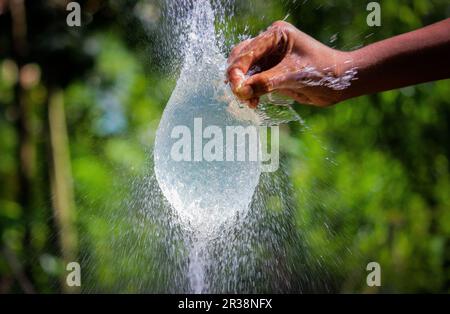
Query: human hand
286, 60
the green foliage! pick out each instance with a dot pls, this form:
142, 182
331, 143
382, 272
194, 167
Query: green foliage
371, 175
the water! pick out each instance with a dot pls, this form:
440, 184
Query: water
204, 193
208, 196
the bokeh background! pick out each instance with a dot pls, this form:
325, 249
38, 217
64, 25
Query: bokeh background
79, 107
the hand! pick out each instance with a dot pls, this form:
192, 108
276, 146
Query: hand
290, 62
287, 60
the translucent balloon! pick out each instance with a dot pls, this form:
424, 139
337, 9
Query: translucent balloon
192, 149
205, 186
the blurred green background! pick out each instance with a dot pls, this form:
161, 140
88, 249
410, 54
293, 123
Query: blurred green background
79, 107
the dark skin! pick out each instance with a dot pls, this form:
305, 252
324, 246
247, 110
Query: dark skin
284, 57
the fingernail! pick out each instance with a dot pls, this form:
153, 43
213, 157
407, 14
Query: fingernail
244, 91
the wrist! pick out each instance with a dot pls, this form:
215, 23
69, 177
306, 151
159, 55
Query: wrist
346, 74
351, 73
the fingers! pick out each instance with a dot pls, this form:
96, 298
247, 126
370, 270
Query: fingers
237, 50
248, 54
268, 81
265, 82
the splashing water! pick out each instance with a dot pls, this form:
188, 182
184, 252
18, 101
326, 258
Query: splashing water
206, 194
220, 206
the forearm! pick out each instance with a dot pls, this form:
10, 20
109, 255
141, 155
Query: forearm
411, 58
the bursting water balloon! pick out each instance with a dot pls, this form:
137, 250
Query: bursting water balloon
205, 184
